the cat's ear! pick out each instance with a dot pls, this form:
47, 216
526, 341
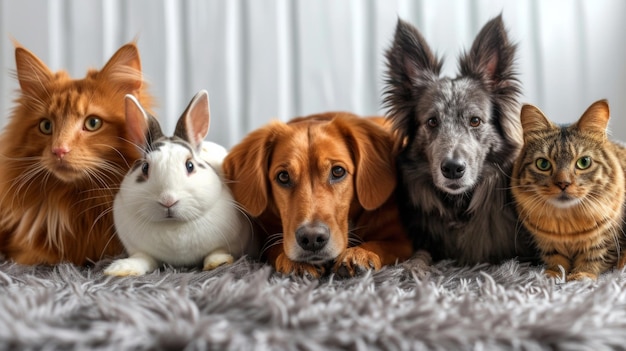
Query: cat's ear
596, 118
533, 120
32, 74
124, 67
193, 125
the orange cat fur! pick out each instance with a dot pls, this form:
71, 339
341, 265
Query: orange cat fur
63, 155
568, 184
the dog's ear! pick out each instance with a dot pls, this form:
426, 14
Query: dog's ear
375, 176
246, 167
533, 121
411, 67
491, 59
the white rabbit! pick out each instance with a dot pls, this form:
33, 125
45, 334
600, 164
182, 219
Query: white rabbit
173, 206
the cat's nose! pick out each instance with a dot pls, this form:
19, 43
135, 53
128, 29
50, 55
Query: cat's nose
60, 152
563, 185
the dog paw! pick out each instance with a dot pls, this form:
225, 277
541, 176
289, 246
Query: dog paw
216, 259
286, 266
356, 261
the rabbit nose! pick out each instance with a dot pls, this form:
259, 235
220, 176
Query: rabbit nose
168, 204
168, 201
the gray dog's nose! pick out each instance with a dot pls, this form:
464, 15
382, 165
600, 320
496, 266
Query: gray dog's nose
312, 237
452, 168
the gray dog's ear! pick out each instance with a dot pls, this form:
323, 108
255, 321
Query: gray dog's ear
491, 58
411, 66
491, 61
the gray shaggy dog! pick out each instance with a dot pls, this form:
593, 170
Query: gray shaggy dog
458, 139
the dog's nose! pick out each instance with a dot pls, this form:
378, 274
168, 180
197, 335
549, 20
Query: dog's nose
452, 168
312, 237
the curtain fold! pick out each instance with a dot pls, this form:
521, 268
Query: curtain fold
276, 59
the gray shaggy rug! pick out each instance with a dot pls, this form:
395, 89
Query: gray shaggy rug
247, 306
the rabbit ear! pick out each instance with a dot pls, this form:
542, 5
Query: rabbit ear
193, 125
136, 121
141, 128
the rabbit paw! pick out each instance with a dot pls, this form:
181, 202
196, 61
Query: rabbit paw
356, 261
137, 264
216, 259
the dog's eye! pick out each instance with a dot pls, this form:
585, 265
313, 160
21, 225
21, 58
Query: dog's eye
283, 178
337, 172
432, 122
145, 167
543, 164
475, 122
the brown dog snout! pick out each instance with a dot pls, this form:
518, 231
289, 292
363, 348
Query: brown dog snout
312, 236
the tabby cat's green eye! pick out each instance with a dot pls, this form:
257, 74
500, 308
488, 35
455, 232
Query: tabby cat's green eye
93, 123
583, 162
45, 126
543, 164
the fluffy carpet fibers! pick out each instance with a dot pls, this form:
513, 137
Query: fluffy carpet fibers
247, 306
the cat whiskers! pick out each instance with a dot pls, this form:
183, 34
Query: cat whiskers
29, 173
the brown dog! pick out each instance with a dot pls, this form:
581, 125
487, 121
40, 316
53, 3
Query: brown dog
321, 188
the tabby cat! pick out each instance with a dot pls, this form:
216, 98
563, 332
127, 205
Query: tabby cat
568, 184
63, 155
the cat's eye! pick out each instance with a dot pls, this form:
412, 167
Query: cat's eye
93, 123
45, 126
543, 164
283, 178
190, 166
432, 122
337, 173
475, 121
145, 167
583, 162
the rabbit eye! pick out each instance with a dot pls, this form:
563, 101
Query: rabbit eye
190, 166
145, 167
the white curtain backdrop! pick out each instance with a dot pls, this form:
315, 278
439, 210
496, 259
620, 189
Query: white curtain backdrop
266, 59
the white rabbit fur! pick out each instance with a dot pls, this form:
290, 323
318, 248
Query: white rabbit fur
165, 214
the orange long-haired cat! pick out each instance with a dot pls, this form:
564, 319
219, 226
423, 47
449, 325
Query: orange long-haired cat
63, 155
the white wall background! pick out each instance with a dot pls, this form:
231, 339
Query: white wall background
265, 59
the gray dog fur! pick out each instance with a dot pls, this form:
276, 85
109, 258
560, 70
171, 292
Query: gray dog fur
466, 215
